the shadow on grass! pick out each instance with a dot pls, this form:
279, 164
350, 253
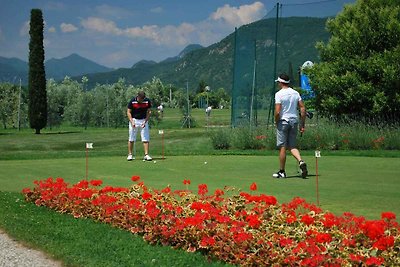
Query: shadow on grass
62, 132
299, 176
6, 133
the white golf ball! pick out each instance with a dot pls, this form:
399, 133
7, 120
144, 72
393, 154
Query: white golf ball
155, 161
205, 162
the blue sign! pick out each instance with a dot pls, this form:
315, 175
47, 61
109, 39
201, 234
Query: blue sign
305, 85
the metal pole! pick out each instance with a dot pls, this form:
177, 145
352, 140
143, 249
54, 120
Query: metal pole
271, 108
317, 155
87, 161
187, 95
254, 85
162, 144
316, 173
233, 94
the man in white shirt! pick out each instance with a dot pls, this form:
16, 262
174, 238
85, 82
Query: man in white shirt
287, 104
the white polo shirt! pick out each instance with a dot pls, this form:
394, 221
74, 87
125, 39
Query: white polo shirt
289, 100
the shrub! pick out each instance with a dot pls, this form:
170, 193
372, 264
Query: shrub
244, 229
321, 134
221, 139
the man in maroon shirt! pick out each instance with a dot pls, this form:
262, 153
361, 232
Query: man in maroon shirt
139, 114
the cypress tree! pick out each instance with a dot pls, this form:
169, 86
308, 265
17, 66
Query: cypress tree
37, 108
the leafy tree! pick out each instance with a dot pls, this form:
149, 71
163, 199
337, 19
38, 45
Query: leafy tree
55, 104
37, 76
85, 105
101, 106
71, 92
118, 103
9, 94
360, 72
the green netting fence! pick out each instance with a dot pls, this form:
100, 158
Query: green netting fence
279, 43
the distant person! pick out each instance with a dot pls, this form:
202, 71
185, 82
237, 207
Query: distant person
287, 104
139, 114
160, 109
208, 111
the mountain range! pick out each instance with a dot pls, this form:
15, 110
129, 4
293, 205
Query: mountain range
213, 65
13, 69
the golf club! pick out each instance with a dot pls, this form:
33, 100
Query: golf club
134, 150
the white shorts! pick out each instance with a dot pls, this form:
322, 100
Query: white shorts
144, 132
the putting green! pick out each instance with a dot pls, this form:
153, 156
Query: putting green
362, 185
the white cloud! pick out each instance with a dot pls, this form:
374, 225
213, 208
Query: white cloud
53, 5
101, 25
112, 12
135, 42
52, 30
157, 10
237, 16
24, 29
67, 27
166, 35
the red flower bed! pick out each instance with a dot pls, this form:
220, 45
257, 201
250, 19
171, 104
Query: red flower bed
244, 229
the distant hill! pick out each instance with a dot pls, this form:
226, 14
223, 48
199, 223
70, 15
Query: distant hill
11, 69
183, 53
73, 65
214, 64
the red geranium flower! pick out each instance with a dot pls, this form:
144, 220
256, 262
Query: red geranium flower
384, 243
253, 187
146, 195
202, 189
207, 241
323, 238
307, 219
96, 182
374, 261
26, 190
388, 216
135, 178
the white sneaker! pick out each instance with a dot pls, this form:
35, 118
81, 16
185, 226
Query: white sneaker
147, 158
303, 167
130, 157
279, 174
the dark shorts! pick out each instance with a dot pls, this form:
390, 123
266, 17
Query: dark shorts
286, 133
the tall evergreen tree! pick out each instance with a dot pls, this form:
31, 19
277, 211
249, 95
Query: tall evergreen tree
37, 76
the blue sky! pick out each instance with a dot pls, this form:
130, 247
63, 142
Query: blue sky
119, 33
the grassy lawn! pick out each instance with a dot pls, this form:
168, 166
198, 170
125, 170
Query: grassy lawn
362, 182
365, 186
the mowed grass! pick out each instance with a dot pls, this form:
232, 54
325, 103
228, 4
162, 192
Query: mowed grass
348, 182
68, 142
365, 186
